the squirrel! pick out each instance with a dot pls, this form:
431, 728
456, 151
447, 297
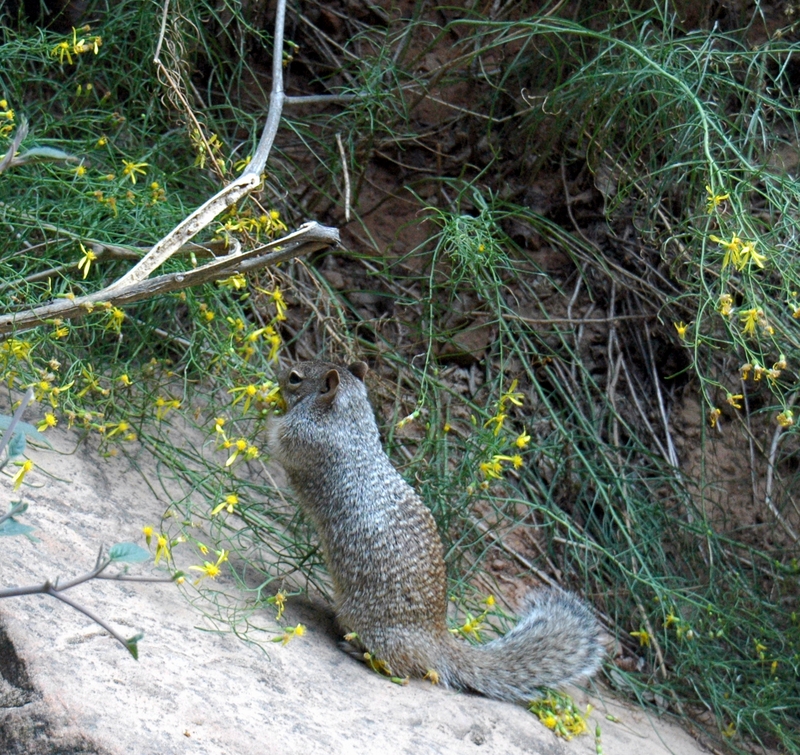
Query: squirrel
385, 556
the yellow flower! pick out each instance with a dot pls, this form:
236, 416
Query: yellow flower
157, 194
80, 171
236, 282
748, 253
272, 223
228, 503
131, 169
497, 421
24, 468
162, 548
492, 469
489, 600
516, 460
713, 416
278, 599
274, 344
125, 380
115, 318
745, 370
290, 632
208, 569
164, 405
471, 626
730, 730
734, 400
16, 349
61, 51
280, 303
522, 440
785, 418
681, 327
432, 676
48, 421
511, 396
102, 141
86, 261
714, 200
732, 250
240, 446
247, 392
643, 637
750, 319
725, 305
116, 429
240, 165
148, 534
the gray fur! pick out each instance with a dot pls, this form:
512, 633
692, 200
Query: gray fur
384, 552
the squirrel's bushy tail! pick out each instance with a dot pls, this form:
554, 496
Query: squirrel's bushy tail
556, 642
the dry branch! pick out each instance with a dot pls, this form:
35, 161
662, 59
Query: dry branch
308, 238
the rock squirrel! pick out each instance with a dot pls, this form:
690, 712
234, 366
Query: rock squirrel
385, 556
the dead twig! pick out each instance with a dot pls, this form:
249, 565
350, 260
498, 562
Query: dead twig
346, 178
308, 238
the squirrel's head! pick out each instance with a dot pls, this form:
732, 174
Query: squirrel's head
320, 383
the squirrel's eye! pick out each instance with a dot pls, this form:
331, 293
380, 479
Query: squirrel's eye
295, 378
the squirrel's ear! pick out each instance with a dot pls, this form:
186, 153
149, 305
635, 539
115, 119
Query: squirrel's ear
359, 369
330, 386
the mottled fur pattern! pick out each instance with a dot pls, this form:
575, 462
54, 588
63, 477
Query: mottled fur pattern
384, 552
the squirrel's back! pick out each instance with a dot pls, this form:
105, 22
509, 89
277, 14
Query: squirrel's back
384, 552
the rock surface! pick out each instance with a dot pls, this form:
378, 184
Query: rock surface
66, 687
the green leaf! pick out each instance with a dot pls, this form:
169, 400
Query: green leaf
16, 446
129, 552
133, 645
25, 428
11, 527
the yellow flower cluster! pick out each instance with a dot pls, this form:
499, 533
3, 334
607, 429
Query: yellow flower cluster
239, 446
65, 50
268, 224
493, 469
291, 632
7, 116
682, 629
472, 624
739, 253
557, 711
203, 147
208, 569
714, 200
266, 394
246, 341
164, 405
